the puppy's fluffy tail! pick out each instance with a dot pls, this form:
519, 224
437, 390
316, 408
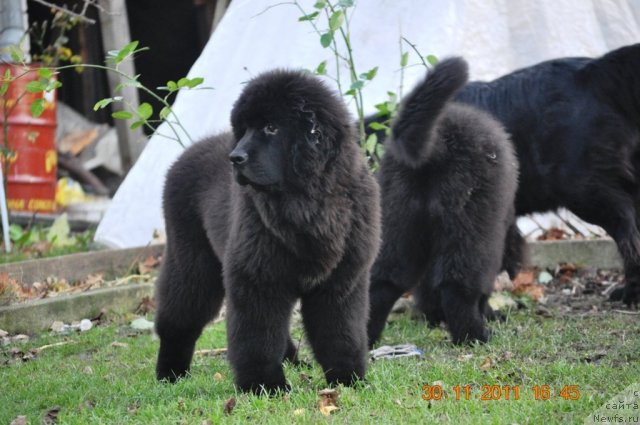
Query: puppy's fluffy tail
615, 77
415, 129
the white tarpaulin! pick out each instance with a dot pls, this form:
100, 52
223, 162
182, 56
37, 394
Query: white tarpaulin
495, 36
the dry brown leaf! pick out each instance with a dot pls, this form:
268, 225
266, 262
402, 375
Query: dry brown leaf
119, 344
218, 376
525, 284
328, 401
486, 364
146, 266
299, 412
229, 405
553, 234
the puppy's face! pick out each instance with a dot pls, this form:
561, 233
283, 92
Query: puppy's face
288, 128
259, 157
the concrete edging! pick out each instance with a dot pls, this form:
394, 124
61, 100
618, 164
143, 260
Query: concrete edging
38, 315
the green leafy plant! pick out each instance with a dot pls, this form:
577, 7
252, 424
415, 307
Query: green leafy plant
331, 21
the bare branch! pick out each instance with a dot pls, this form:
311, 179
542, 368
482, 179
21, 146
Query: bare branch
64, 9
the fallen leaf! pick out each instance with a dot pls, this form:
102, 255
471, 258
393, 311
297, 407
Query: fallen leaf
87, 370
328, 401
486, 364
51, 417
465, 357
229, 405
553, 234
146, 266
299, 412
218, 377
525, 284
507, 355
3, 333
20, 338
119, 344
19, 420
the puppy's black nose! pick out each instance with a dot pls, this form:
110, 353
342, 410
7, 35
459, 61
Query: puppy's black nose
238, 158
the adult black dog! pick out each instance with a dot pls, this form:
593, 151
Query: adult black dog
448, 183
302, 222
575, 124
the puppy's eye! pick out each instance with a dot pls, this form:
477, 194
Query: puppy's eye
270, 130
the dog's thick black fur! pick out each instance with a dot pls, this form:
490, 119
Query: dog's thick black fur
301, 221
575, 124
448, 182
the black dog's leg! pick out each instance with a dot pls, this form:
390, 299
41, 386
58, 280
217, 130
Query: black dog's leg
258, 338
382, 295
514, 256
428, 301
619, 221
462, 313
336, 325
189, 294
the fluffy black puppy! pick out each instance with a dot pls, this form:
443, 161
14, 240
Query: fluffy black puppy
303, 223
575, 124
448, 182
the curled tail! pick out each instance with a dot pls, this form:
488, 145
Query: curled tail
414, 130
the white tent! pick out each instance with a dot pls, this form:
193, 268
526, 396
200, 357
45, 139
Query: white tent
495, 36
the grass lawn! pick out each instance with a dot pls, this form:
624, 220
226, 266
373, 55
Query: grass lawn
106, 375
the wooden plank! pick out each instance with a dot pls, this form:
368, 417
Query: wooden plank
115, 35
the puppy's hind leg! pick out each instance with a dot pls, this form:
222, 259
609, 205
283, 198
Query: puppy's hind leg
189, 294
383, 294
336, 325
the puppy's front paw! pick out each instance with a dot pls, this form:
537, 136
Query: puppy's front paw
167, 374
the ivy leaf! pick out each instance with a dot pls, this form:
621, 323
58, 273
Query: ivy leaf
145, 110
36, 87
309, 17
45, 73
164, 112
37, 107
404, 59
432, 59
122, 115
17, 55
326, 39
370, 75
320, 4
336, 20
377, 126
103, 103
322, 68
194, 82
370, 144
172, 86
136, 124
357, 85
125, 51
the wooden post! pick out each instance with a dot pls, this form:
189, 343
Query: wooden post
115, 35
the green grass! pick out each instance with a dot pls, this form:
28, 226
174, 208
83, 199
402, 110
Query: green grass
95, 382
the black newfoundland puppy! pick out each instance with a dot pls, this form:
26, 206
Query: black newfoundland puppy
448, 182
301, 221
575, 125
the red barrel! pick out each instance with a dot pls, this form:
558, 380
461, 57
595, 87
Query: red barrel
30, 147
